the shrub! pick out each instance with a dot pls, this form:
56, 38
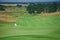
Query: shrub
2, 8
19, 5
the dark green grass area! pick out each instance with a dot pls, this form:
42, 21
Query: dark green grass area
30, 37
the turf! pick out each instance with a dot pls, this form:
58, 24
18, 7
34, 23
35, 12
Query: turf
31, 27
30, 37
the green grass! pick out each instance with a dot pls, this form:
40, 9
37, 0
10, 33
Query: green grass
31, 27
30, 37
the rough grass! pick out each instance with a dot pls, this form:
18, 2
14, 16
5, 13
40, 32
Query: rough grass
5, 17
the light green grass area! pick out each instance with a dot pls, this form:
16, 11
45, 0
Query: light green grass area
31, 27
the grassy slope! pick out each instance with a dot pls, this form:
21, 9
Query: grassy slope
32, 27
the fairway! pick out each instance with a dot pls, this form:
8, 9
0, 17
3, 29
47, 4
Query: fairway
30, 20
32, 27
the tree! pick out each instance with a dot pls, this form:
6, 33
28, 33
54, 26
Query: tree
35, 8
51, 7
58, 6
30, 8
40, 8
2, 8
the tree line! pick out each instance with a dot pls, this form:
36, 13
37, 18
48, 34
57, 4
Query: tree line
39, 7
43, 7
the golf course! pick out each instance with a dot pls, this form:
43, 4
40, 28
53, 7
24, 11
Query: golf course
31, 27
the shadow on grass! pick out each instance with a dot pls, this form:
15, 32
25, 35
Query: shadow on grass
30, 36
